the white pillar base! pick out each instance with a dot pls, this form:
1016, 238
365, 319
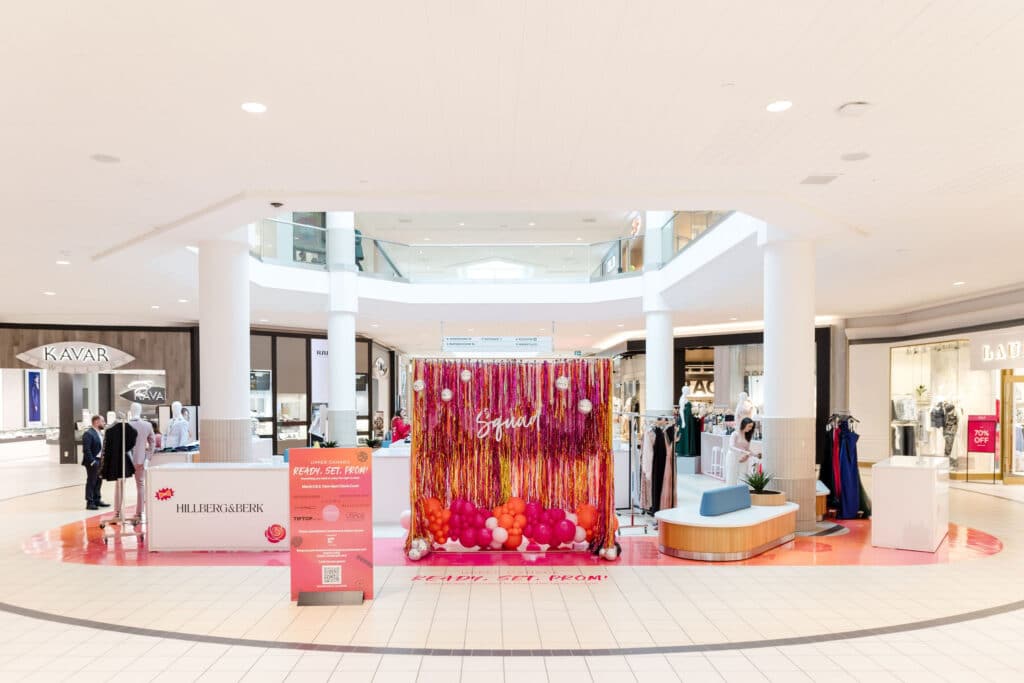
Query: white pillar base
789, 457
226, 441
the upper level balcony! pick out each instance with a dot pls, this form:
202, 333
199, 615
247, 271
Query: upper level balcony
304, 244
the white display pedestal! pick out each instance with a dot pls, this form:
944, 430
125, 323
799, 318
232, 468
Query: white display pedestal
217, 506
910, 503
712, 454
621, 456
390, 483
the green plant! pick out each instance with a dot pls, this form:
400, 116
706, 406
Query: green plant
373, 443
921, 390
328, 444
757, 481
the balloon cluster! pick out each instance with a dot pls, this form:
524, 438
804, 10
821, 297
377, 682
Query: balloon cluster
515, 525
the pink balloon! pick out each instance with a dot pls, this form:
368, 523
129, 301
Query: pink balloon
542, 534
404, 519
479, 519
484, 537
556, 515
565, 531
528, 530
469, 537
533, 510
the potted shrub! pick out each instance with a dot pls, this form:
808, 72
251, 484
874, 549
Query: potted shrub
759, 492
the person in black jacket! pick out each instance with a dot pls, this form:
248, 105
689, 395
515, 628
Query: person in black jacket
92, 448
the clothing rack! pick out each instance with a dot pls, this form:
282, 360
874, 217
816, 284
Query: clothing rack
835, 418
119, 520
634, 510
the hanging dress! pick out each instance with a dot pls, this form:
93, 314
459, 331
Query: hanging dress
668, 483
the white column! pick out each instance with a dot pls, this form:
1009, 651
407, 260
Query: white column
656, 240
789, 367
224, 425
341, 328
659, 355
840, 368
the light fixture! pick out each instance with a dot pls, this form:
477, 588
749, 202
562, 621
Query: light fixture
63, 262
263, 320
426, 239
622, 324
586, 334
105, 158
254, 107
733, 318
959, 283
182, 301
50, 293
579, 239
154, 307
374, 325
462, 225
531, 224
779, 106
855, 156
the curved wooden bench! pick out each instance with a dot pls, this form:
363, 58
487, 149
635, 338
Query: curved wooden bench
684, 533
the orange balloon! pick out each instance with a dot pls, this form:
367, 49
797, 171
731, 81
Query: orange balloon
519, 521
498, 511
432, 504
590, 534
446, 514
516, 505
506, 521
513, 542
615, 523
586, 515
435, 527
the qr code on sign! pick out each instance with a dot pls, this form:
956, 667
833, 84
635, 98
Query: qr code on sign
331, 575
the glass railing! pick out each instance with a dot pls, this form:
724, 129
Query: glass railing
294, 244
551, 262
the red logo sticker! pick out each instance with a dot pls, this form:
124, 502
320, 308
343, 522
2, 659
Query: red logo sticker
165, 494
275, 533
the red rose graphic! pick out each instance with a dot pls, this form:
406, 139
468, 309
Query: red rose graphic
275, 533
165, 494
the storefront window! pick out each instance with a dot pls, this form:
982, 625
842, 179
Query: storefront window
935, 397
261, 385
291, 393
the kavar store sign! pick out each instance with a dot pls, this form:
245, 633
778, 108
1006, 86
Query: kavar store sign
76, 357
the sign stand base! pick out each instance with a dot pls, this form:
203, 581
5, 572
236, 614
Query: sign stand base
315, 599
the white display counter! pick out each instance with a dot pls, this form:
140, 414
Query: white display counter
390, 483
910, 503
217, 506
621, 464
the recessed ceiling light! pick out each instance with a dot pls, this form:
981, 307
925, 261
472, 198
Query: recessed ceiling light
426, 239
374, 325
154, 307
818, 179
531, 224
854, 108
462, 225
182, 301
622, 324
254, 107
733, 318
587, 334
854, 156
589, 220
579, 239
405, 220
779, 106
50, 293
264, 320
105, 158
63, 262
363, 181
959, 283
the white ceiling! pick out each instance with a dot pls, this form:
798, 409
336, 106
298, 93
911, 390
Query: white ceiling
515, 108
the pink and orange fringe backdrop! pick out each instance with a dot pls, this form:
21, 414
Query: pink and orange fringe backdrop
563, 459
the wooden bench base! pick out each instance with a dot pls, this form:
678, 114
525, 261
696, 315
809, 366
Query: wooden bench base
715, 539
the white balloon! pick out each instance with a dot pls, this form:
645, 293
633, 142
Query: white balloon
465, 375
419, 385
405, 518
495, 545
584, 406
446, 395
571, 516
499, 535
611, 554
491, 523
601, 553
581, 535
562, 383
414, 555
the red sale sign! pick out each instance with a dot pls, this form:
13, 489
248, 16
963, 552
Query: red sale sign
331, 520
981, 433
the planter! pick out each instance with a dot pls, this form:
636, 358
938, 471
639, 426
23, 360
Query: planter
768, 498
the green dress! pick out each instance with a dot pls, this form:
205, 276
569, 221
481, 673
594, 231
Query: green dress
687, 429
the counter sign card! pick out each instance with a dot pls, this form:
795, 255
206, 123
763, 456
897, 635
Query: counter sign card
331, 520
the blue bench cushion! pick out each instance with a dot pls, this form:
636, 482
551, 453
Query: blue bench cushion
726, 499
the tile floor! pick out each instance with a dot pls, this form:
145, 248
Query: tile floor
718, 623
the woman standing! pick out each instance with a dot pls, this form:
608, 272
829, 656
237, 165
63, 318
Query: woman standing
738, 458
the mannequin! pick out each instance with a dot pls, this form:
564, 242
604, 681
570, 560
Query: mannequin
687, 426
744, 407
178, 429
317, 428
144, 443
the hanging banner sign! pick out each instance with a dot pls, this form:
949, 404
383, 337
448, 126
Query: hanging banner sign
331, 520
496, 344
76, 357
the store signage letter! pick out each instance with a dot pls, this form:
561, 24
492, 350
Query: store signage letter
75, 357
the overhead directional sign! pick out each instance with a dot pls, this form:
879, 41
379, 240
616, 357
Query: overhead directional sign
496, 344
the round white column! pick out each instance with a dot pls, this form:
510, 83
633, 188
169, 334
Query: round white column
341, 328
658, 365
789, 371
224, 350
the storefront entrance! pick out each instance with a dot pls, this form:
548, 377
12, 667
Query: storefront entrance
1012, 426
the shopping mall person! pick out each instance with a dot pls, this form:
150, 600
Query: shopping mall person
92, 448
737, 460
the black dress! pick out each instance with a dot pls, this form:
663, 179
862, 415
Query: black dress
118, 442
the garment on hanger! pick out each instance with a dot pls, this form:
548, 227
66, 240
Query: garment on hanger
177, 433
950, 423
118, 442
646, 469
688, 431
668, 481
853, 499
661, 452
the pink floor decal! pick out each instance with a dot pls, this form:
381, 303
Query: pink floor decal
82, 542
